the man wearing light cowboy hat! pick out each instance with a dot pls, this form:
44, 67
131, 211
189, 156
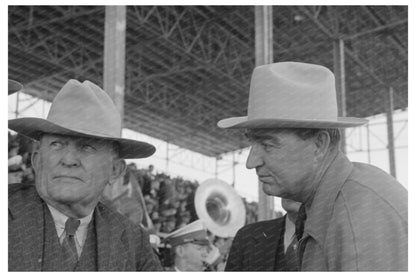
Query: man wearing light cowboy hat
60, 225
354, 215
191, 249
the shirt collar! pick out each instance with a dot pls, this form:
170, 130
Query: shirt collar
289, 232
60, 219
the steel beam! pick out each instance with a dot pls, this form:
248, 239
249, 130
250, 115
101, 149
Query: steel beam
339, 72
114, 54
264, 55
393, 39
379, 28
390, 131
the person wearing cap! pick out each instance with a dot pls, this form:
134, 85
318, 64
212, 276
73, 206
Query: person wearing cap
59, 224
353, 215
189, 247
269, 245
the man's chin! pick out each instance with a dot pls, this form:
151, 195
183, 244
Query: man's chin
268, 189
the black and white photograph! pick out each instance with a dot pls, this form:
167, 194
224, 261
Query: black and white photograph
208, 138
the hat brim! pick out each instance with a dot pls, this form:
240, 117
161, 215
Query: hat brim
200, 242
34, 128
268, 123
14, 86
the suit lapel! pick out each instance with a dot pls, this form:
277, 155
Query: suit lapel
266, 245
26, 229
110, 253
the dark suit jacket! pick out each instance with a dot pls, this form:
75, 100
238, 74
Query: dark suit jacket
258, 247
121, 245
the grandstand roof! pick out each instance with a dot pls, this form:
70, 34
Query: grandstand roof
189, 66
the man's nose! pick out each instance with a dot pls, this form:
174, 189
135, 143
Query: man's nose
254, 157
71, 157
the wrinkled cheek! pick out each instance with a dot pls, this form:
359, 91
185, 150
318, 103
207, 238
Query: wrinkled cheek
99, 181
41, 182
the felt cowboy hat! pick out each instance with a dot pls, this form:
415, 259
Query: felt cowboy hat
14, 86
291, 95
85, 110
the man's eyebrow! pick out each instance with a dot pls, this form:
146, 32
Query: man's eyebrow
261, 137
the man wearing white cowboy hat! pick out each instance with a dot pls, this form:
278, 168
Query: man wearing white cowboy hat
354, 215
60, 225
189, 247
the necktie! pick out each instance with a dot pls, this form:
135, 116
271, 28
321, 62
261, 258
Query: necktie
300, 222
291, 256
68, 245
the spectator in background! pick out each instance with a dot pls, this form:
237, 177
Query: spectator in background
148, 178
169, 224
166, 192
189, 247
190, 205
15, 163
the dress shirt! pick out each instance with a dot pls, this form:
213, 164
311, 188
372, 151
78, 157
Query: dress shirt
289, 232
81, 233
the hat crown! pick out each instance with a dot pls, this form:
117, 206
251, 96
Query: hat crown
85, 108
193, 232
294, 91
292, 95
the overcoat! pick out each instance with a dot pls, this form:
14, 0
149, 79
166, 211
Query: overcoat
258, 247
121, 245
357, 221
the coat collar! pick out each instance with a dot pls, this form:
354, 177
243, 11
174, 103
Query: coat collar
320, 210
267, 241
110, 248
26, 225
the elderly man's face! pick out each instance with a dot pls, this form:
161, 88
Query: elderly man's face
73, 171
284, 163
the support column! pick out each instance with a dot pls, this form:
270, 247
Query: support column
368, 145
216, 167
339, 72
390, 131
167, 157
264, 55
114, 54
17, 104
234, 163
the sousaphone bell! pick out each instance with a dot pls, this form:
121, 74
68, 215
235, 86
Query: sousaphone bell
219, 206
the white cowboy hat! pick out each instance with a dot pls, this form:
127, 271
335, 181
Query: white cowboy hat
292, 95
14, 86
83, 110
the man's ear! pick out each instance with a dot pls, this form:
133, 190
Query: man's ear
322, 142
35, 157
179, 250
118, 170
35, 160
